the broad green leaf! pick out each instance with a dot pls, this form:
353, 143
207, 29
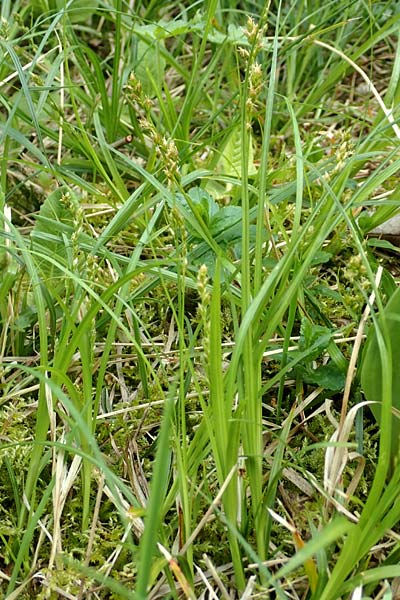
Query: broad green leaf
328, 376
227, 223
150, 66
384, 244
314, 335
204, 203
79, 11
163, 29
321, 257
372, 368
235, 35
230, 162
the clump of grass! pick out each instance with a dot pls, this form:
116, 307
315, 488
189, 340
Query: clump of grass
182, 299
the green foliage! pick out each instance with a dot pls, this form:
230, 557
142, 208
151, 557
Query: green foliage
381, 355
314, 341
183, 194
223, 225
150, 66
53, 230
230, 161
78, 11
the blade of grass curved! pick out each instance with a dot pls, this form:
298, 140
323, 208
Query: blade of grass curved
332, 532
376, 575
315, 96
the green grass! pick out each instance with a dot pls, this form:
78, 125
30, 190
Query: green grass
185, 194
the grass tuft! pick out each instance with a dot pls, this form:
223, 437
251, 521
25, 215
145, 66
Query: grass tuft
188, 201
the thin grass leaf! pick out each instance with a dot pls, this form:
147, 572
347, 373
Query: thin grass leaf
158, 491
